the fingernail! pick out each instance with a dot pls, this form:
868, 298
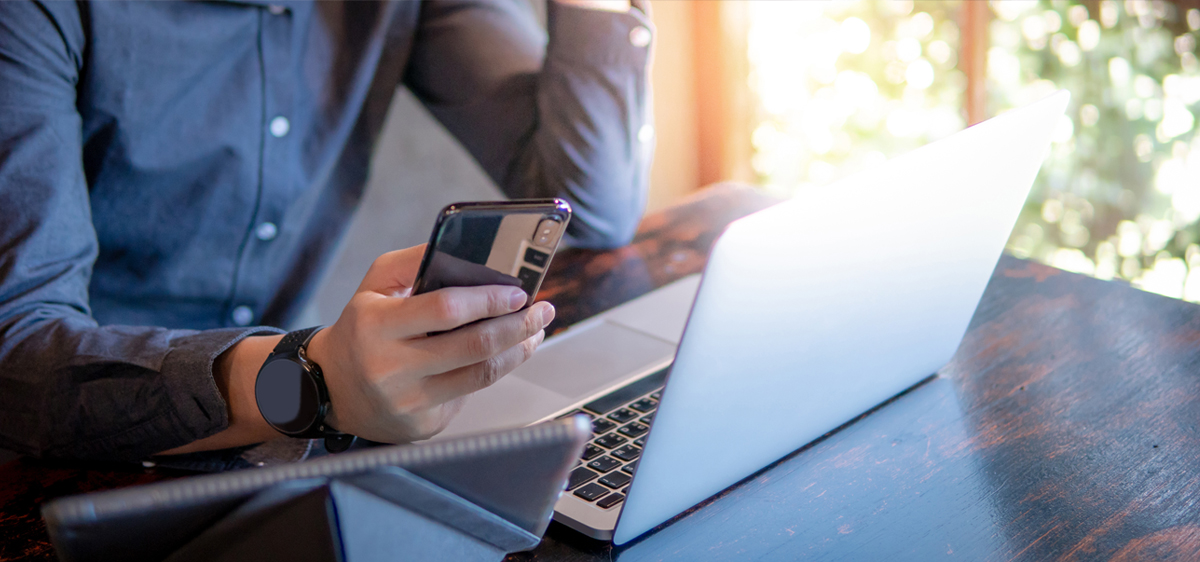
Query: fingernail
517, 299
547, 314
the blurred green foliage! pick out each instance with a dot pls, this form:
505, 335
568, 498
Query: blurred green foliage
1119, 196
843, 85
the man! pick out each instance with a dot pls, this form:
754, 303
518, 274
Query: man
174, 175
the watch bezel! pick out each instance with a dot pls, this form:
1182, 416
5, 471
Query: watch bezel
312, 375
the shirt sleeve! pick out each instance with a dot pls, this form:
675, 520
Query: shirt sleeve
69, 387
565, 116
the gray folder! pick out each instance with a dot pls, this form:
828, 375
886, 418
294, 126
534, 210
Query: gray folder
473, 498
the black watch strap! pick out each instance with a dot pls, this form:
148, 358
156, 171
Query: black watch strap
291, 344
293, 341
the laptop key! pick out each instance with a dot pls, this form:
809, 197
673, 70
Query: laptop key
602, 425
623, 415
644, 405
591, 492
591, 451
610, 500
629, 468
611, 441
633, 430
646, 419
616, 480
657, 395
627, 453
604, 464
579, 476
627, 393
640, 442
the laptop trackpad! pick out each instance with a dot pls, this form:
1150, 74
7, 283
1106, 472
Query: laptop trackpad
587, 358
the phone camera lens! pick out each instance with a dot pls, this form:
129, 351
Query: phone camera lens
545, 233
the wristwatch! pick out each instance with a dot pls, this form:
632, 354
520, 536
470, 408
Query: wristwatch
291, 393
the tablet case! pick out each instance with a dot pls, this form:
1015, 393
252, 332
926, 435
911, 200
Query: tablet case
473, 498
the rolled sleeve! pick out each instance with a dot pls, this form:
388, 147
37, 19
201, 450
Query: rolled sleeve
599, 38
597, 114
71, 389
558, 116
187, 373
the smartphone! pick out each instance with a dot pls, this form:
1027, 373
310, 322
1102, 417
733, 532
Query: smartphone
493, 243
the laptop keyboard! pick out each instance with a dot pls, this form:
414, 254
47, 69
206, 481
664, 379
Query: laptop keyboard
620, 421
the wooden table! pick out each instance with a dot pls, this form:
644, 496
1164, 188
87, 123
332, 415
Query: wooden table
1067, 427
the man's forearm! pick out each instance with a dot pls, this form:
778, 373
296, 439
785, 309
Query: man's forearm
235, 372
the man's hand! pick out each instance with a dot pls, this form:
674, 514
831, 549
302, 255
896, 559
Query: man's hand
390, 382
387, 380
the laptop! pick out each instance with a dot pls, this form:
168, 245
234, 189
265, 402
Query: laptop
808, 314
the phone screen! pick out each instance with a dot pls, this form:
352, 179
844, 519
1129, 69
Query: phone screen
493, 244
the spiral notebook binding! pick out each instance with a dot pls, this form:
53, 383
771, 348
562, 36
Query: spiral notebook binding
179, 493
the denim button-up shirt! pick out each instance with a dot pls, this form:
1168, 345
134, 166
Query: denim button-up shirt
173, 176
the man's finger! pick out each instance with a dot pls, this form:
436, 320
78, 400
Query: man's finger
448, 308
393, 272
483, 340
446, 270
465, 380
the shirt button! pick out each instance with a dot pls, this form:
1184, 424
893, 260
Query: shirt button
646, 133
280, 126
639, 36
243, 316
266, 231
276, 9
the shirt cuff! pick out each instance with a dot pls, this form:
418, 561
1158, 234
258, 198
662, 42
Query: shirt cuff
598, 37
199, 408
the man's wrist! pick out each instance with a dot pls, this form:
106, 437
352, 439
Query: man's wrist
235, 372
243, 361
618, 6
318, 352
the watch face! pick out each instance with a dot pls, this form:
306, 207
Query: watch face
287, 396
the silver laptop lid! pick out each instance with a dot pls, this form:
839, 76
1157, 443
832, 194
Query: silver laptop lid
815, 310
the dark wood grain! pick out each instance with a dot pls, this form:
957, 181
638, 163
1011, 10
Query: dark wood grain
669, 245
26, 484
1067, 427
